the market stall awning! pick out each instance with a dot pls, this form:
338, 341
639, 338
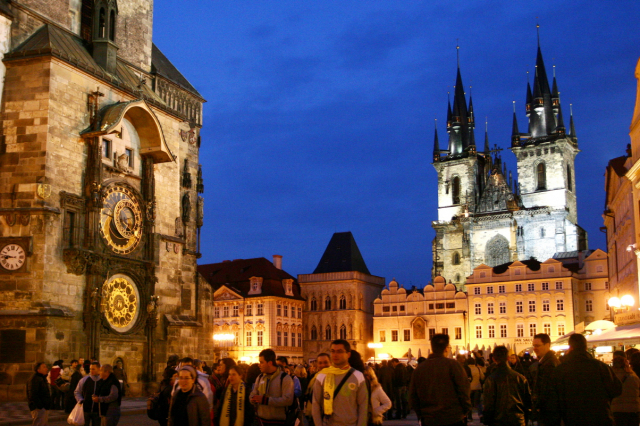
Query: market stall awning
623, 335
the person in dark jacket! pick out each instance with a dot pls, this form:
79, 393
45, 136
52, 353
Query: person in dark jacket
38, 395
439, 388
385, 377
544, 411
84, 391
584, 387
507, 399
76, 376
189, 406
399, 394
164, 400
235, 409
109, 396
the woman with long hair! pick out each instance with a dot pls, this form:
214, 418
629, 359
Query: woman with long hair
380, 402
626, 407
235, 409
189, 406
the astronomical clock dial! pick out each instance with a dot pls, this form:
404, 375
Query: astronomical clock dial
121, 302
121, 220
12, 257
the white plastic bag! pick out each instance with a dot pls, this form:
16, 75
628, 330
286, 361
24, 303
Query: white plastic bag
77, 415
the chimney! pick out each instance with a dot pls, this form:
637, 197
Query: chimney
277, 261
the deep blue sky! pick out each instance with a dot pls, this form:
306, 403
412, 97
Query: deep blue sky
320, 114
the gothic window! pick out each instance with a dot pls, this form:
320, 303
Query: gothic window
343, 302
569, 182
541, 177
314, 333
455, 190
327, 304
102, 23
314, 304
497, 251
456, 258
112, 26
343, 332
327, 333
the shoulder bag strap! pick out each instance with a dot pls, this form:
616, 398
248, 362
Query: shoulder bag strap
343, 381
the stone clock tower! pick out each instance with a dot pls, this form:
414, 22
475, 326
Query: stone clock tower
100, 209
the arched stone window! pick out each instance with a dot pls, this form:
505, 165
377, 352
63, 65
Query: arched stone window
327, 333
343, 302
314, 304
541, 177
569, 180
112, 26
102, 23
455, 190
314, 333
455, 260
497, 251
327, 304
343, 332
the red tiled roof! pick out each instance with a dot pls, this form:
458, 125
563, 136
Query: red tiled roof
237, 274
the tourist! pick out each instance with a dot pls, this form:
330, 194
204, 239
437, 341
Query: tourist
235, 408
38, 395
626, 407
584, 387
507, 398
477, 380
272, 392
164, 399
75, 378
380, 402
340, 395
544, 410
399, 389
301, 373
121, 375
108, 396
439, 388
189, 406
85, 390
322, 361
57, 395
203, 380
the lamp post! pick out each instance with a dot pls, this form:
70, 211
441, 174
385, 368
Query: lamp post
374, 346
619, 304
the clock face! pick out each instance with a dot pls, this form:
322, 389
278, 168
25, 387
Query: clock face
120, 302
121, 220
12, 257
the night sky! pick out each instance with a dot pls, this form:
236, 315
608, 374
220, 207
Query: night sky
320, 114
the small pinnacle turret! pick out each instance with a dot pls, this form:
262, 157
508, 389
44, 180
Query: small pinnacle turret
436, 145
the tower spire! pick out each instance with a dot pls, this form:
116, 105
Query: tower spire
487, 150
515, 133
572, 127
436, 144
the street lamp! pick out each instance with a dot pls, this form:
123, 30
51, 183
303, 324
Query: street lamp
623, 303
222, 340
374, 346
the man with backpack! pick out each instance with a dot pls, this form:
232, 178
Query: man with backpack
340, 394
272, 392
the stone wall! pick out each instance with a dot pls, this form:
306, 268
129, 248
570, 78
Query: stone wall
134, 32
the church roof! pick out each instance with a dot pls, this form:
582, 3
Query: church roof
532, 263
618, 165
342, 255
163, 66
237, 275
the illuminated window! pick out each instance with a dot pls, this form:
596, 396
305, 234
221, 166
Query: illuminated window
225, 311
236, 338
503, 330
532, 330
560, 305
445, 330
249, 310
248, 338
432, 332
589, 305
492, 331
547, 328
458, 332
560, 329
383, 336
236, 310
216, 312
259, 338
520, 330
394, 335
478, 332
407, 335
260, 309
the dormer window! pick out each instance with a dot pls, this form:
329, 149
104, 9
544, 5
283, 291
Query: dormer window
256, 285
288, 287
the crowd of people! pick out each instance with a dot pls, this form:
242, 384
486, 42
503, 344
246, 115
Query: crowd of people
338, 389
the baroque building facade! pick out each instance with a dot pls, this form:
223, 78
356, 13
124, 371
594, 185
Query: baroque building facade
510, 303
405, 320
257, 303
486, 215
339, 298
99, 183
